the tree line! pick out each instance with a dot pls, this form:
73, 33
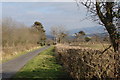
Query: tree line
16, 34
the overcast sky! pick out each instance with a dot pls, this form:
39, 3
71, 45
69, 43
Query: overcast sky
66, 14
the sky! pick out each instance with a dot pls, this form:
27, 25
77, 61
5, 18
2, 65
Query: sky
50, 14
42, 0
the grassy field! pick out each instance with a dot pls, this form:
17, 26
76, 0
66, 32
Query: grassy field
100, 46
8, 57
44, 66
95, 46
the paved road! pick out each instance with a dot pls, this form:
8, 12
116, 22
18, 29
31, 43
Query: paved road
11, 67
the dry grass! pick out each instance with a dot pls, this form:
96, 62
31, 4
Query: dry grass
97, 46
12, 52
100, 46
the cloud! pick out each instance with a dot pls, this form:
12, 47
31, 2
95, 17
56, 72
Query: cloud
38, 0
48, 13
0, 11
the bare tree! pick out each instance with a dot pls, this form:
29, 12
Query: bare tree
54, 32
58, 32
17, 36
106, 14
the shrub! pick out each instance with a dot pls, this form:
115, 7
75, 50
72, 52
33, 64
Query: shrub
85, 62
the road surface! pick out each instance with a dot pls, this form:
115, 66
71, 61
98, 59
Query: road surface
11, 67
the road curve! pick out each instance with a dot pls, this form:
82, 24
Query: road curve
11, 67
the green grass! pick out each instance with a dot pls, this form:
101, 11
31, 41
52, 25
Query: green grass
43, 66
7, 58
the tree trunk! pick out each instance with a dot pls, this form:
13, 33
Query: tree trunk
107, 20
113, 37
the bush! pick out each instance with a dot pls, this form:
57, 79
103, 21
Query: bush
87, 39
85, 62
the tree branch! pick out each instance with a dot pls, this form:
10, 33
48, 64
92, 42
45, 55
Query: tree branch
100, 14
107, 49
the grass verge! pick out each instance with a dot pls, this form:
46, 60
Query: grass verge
10, 57
43, 66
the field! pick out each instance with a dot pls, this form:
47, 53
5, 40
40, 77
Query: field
100, 46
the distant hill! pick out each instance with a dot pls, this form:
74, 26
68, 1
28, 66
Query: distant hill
49, 36
89, 30
99, 34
